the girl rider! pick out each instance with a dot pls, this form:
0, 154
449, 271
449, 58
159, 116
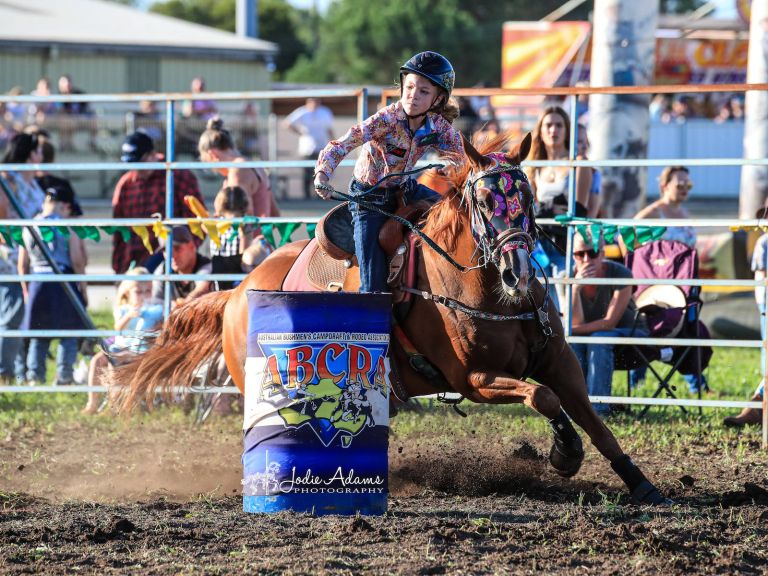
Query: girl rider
393, 140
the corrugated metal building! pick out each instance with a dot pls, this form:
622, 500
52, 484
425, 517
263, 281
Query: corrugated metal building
110, 48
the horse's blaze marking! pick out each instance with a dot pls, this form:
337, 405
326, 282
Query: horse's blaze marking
301, 368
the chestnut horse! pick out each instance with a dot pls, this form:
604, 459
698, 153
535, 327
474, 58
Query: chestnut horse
489, 329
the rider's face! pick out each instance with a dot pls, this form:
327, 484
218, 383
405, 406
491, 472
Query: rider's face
419, 94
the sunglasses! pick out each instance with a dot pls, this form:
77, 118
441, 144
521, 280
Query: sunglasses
592, 254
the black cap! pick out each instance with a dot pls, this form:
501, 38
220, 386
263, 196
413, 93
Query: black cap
67, 195
136, 146
181, 235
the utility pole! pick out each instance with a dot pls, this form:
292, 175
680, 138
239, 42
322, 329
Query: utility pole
754, 179
623, 54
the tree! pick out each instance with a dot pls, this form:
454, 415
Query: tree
279, 22
364, 42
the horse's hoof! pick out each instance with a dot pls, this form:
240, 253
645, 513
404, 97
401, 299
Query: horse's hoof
648, 495
566, 462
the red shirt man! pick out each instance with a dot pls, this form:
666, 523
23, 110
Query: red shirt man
141, 193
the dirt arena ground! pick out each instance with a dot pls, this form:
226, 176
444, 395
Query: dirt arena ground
162, 496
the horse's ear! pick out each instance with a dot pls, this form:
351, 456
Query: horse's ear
475, 158
521, 151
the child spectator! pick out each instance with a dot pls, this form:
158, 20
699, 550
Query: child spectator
241, 250
47, 305
136, 311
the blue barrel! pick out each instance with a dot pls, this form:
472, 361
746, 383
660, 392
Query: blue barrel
316, 421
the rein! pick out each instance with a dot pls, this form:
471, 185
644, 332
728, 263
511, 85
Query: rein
412, 227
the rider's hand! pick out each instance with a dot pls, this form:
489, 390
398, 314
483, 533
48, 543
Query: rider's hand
321, 178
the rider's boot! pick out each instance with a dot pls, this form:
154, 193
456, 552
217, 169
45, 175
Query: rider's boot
567, 452
641, 490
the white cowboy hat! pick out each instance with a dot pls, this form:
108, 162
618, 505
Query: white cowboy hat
663, 297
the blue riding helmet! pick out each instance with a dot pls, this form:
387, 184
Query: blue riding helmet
432, 66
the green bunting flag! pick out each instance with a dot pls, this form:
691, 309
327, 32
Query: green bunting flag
268, 232
124, 231
6, 234
17, 233
286, 230
311, 230
47, 234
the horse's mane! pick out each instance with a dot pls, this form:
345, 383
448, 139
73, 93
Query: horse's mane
447, 218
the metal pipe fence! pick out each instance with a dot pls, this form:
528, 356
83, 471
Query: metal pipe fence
361, 94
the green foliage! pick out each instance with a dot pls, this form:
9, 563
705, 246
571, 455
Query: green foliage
279, 22
365, 42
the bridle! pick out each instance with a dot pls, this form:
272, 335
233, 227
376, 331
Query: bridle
509, 225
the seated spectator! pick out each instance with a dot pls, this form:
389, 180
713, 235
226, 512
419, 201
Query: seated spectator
241, 250
40, 110
149, 120
134, 310
732, 109
660, 108
47, 305
15, 112
202, 109
600, 310
679, 112
140, 194
69, 113
674, 187
186, 260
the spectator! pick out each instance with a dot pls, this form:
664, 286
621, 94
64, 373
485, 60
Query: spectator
149, 120
674, 186
582, 151
23, 148
47, 305
487, 131
660, 108
201, 109
217, 145
242, 250
15, 112
600, 310
40, 110
680, 111
134, 310
66, 88
313, 122
46, 180
70, 113
186, 260
141, 193
582, 103
732, 109
759, 267
550, 142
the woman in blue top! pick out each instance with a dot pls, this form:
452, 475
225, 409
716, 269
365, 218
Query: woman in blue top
47, 305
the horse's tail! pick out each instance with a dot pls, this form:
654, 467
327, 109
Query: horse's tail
190, 337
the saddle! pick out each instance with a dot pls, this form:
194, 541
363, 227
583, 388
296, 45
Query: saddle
328, 263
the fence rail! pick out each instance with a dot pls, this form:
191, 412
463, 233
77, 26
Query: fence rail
361, 94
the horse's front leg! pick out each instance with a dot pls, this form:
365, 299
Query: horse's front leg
496, 387
567, 452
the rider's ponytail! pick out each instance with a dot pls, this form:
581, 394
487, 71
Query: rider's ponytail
448, 109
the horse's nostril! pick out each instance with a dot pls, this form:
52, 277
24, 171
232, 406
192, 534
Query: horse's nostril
508, 278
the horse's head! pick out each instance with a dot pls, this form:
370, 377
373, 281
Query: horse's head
500, 202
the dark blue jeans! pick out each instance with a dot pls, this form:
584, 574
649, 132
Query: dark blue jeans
367, 224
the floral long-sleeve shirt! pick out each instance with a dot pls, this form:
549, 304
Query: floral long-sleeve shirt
389, 145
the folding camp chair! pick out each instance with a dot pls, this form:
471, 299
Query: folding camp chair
669, 312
